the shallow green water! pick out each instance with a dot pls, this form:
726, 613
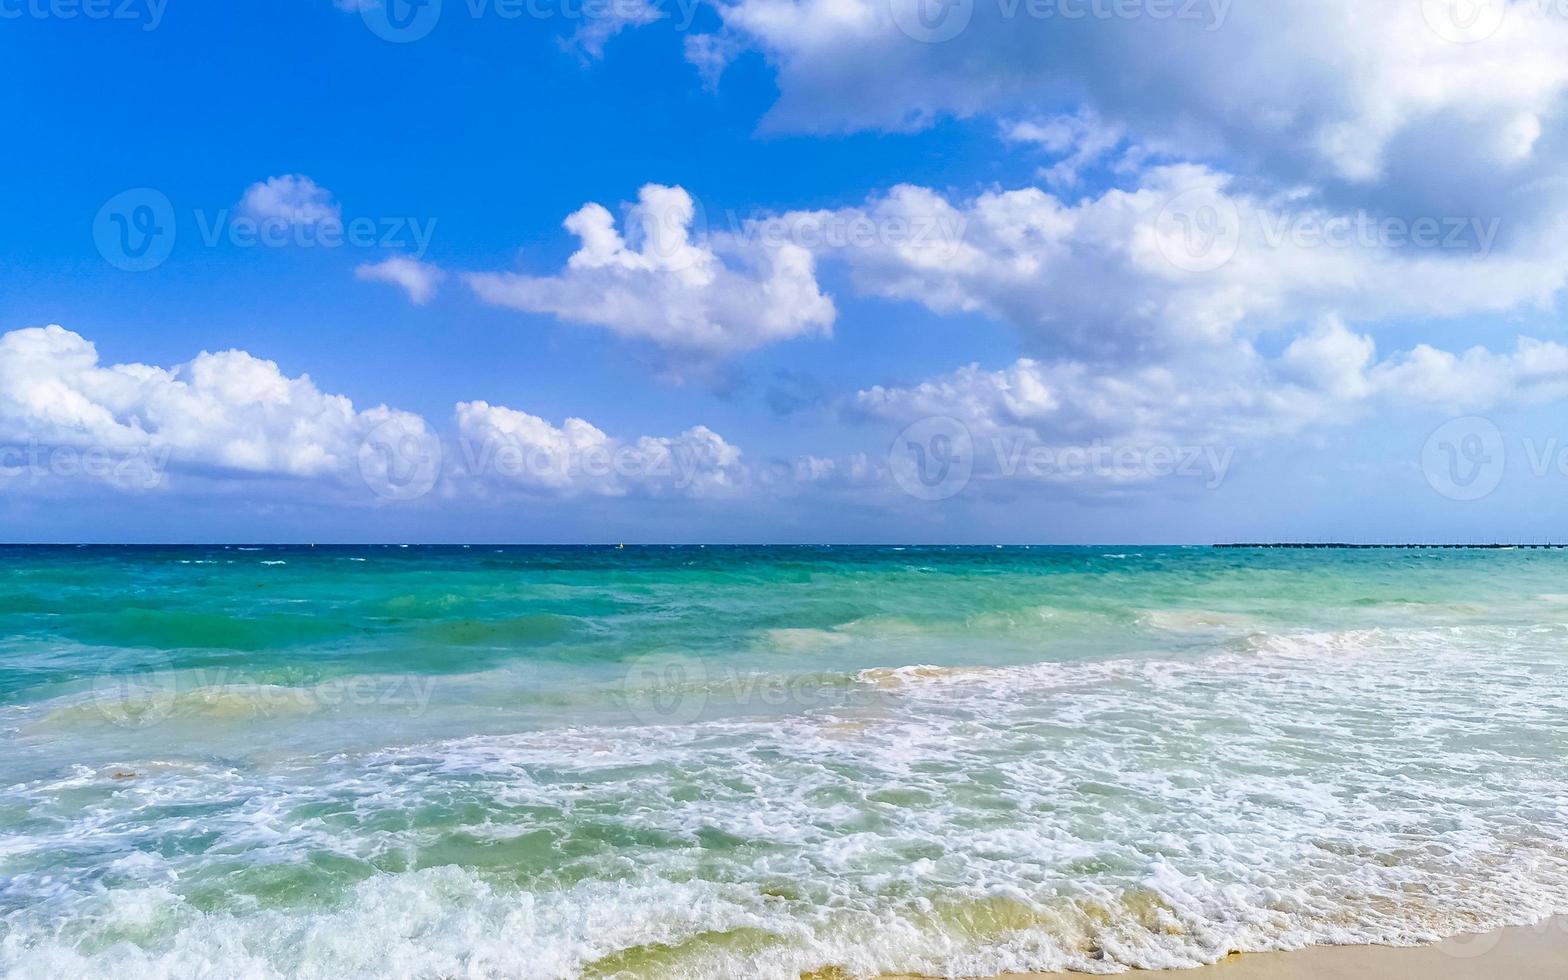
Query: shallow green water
720, 762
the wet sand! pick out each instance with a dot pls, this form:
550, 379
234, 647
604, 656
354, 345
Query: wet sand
1538, 952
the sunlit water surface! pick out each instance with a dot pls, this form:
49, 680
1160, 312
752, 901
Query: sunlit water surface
738, 762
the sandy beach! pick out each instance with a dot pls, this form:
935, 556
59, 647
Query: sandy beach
1535, 952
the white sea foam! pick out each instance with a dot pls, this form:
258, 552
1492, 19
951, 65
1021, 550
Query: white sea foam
1374, 785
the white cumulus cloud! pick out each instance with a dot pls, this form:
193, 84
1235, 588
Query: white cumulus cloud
292, 199
219, 412
1326, 376
503, 448
234, 423
1183, 259
1363, 96
661, 283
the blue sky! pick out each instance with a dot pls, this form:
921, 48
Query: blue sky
1075, 271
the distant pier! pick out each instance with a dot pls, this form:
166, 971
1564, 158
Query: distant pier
1342, 544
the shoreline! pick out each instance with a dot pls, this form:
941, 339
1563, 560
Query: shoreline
1532, 952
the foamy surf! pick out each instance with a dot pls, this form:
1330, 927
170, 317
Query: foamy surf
914, 778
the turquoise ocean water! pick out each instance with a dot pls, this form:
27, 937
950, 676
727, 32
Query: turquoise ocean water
737, 762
